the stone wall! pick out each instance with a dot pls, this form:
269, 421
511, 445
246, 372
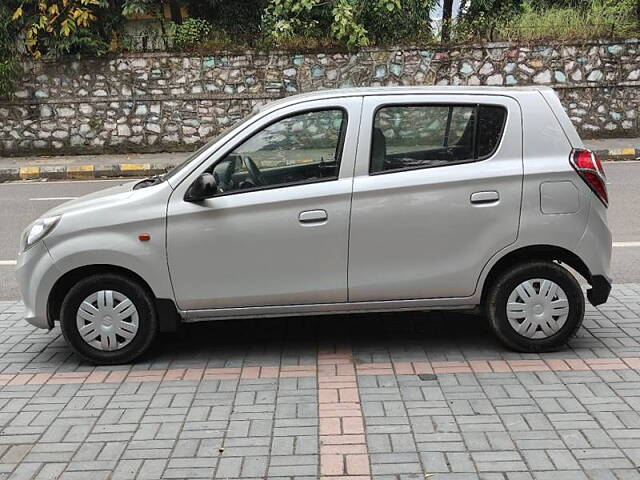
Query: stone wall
167, 102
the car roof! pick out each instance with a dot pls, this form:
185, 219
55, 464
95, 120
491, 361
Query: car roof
373, 91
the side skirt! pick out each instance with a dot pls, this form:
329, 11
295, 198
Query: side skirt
189, 316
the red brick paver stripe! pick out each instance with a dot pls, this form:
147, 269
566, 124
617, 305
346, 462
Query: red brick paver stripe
174, 374
298, 371
64, 378
222, 373
21, 379
375, 369
146, 375
606, 364
97, 376
335, 371
343, 449
40, 378
633, 363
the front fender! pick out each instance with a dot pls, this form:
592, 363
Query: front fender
145, 259
106, 232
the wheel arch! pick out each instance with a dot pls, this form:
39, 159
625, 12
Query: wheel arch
166, 311
534, 252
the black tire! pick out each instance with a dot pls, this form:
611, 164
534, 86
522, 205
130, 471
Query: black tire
139, 296
498, 294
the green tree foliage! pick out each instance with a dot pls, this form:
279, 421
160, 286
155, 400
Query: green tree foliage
354, 23
480, 18
238, 18
10, 68
153, 7
57, 27
190, 33
410, 23
140, 7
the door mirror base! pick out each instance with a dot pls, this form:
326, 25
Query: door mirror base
203, 187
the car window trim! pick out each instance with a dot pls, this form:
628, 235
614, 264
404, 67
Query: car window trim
476, 105
341, 140
502, 130
474, 141
447, 129
274, 187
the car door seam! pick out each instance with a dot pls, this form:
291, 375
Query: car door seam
353, 178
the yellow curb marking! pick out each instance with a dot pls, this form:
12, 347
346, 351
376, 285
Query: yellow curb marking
80, 171
622, 151
80, 168
29, 172
134, 166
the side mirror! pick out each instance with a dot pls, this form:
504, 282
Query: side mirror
205, 186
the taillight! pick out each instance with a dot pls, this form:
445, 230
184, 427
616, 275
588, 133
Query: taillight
590, 169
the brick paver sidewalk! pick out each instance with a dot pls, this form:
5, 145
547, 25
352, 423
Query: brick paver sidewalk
370, 396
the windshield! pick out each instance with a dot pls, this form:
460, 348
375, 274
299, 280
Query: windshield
195, 154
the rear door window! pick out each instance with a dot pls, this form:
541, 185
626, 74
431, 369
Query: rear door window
421, 136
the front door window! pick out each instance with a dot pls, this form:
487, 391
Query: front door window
298, 149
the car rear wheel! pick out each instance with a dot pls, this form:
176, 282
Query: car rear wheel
108, 319
535, 307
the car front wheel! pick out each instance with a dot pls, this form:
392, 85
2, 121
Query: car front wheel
535, 307
108, 319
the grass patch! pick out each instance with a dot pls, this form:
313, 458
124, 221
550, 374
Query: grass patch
601, 19
562, 24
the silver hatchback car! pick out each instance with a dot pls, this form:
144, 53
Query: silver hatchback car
352, 200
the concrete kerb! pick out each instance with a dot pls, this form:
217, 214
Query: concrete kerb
9, 174
619, 154
81, 172
92, 171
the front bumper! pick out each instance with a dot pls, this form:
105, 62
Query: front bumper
599, 291
36, 274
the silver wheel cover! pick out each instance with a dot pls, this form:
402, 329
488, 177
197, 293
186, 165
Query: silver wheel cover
537, 308
107, 320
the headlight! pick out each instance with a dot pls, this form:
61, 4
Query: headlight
38, 230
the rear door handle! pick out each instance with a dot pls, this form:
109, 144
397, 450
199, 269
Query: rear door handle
313, 216
480, 198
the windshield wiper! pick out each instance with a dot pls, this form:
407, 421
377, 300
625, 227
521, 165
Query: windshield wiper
147, 182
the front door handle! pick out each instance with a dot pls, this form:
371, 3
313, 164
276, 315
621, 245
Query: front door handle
483, 198
313, 216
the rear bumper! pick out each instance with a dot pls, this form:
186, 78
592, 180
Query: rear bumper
599, 291
594, 249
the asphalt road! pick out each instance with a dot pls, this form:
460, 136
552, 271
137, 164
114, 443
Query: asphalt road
23, 202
